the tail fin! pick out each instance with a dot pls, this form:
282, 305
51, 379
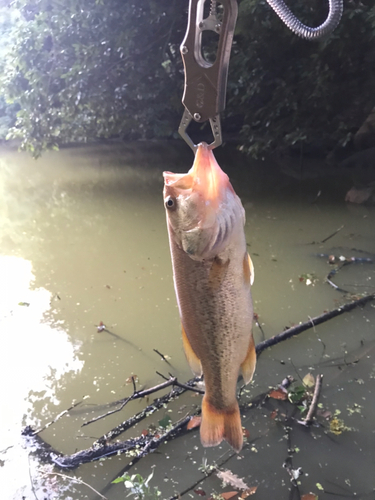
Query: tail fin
221, 424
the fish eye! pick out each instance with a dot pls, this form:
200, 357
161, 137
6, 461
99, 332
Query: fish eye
170, 203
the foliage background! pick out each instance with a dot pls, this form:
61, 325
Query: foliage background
83, 70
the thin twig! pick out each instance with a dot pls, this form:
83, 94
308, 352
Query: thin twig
75, 480
357, 285
312, 323
333, 234
184, 386
162, 357
171, 381
124, 403
135, 395
295, 330
154, 406
316, 197
335, 271
31, 479
336, 287
314, 403
257, 322
74, 405
134, 386
206, 475
288, 464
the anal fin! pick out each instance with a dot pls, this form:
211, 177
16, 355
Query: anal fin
191, 357
248, 365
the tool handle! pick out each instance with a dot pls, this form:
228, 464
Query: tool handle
205, 82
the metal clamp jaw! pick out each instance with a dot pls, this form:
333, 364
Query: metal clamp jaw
206, 82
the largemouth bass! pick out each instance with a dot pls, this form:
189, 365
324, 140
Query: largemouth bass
212, 274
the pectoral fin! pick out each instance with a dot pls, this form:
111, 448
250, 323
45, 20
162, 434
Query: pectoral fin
248, 269
251, 270
191, 357
248, 365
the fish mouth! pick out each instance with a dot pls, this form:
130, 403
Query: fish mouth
208, 177
205, 177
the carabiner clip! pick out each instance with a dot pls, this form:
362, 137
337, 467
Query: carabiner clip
206, 82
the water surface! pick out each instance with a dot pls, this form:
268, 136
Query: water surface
83, 240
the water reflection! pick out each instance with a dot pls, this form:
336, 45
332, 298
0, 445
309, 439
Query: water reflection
34, 357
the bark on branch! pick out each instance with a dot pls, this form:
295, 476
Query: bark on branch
314, 403
295, 330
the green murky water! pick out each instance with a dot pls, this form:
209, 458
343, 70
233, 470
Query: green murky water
83, 241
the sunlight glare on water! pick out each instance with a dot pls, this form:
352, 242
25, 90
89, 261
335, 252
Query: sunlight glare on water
33, 357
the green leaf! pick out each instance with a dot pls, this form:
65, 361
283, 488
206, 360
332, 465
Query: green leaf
296, 394
164, 422
118, 480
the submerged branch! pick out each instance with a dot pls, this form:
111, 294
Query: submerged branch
142, 445
135, 395
328, 237
145, 444
335, 271
342, 262
333, 234
162, 357
74, 480
65, 412
96, 453
149, 410
295, 330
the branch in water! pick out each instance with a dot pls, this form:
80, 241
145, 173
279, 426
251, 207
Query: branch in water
146, 444
162, 356
333, 234
295, 330
156, 405
65, 412
314, 403
135, 395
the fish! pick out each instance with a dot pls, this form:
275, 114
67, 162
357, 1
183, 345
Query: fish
212, 274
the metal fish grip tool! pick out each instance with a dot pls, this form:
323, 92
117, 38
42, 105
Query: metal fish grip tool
206, 82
